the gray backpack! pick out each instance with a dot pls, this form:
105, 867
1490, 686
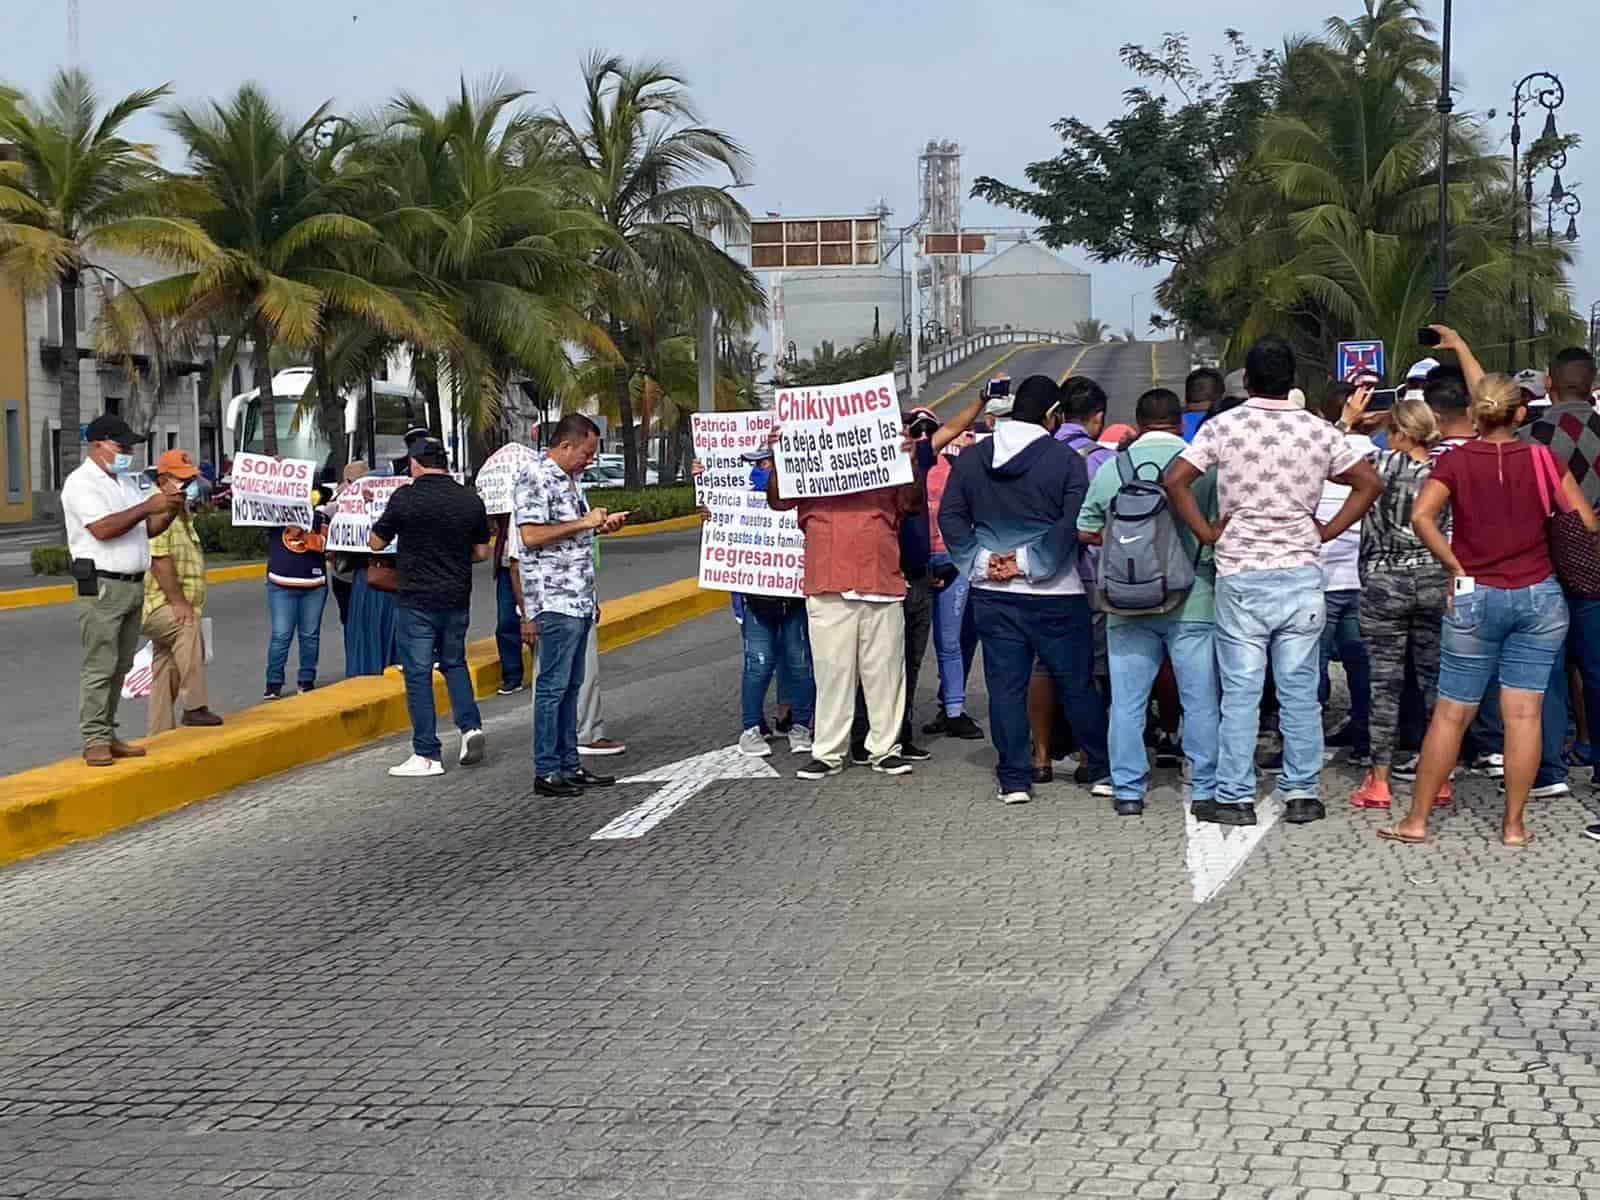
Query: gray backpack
1144, 566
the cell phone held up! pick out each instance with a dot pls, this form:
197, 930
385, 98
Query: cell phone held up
1382, 399
1427, 336
998, 387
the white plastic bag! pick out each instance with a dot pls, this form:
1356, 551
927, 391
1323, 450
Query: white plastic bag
141, 676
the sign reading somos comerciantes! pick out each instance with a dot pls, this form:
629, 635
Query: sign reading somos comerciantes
839, 439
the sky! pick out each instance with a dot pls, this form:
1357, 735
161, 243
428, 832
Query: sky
832, 99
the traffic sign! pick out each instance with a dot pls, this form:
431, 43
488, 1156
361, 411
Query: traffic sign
826, 243
954, 243
1359, 358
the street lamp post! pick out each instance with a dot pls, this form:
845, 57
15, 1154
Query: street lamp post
1568, 203
1546, 90
1594, 327
1441, 283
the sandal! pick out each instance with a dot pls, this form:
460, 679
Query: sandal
1527, 840
1391, 833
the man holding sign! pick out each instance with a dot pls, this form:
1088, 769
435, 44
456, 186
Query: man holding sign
854, 587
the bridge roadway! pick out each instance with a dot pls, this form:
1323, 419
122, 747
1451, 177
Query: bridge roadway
1124, 370
330, 985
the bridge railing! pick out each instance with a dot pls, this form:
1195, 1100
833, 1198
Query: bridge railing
944, 357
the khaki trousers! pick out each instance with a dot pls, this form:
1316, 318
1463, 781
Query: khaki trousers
179, 667
857, 642
108, 625
591, 720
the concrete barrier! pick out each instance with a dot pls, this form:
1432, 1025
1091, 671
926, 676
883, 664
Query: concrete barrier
66, 801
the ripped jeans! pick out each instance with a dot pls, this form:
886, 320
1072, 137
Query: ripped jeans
778, 646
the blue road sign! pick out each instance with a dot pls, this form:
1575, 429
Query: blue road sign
1359, 357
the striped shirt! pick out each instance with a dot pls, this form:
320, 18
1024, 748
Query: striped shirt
180, 543
1388, 543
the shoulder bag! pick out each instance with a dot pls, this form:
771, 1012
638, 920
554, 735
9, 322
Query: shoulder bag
1574, 551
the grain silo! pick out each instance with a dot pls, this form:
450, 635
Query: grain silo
839, 306
1028, 287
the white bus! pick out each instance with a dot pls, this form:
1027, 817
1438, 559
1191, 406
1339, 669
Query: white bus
398, 407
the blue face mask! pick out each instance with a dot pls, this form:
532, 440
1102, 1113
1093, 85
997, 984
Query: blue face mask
121, 463
759, 477
192, 491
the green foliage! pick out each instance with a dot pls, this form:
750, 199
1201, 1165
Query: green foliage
50, 560
1091, 330
219, 537
872, 355
661, 502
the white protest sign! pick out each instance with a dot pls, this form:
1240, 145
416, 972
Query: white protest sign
719, 440
839, 439
747, 547
359, 505
498, 476
272, 491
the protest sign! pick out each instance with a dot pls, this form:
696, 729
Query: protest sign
839, 439
498, 476
719, 440
747, 547
272, 491
359, 505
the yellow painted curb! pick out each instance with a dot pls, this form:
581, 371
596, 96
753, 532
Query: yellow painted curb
67, 801
670, 525
65, 593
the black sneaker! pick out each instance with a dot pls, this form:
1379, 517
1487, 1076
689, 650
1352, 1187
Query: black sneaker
1044, 774
893, 765
557, 787
816, 769
1592, 832
937, 727
1303, 810
963, 727
1168, 752
1081, 776
1128, 808
859, 756
1232, 814
506, 689
1203, 810
272, 693
783, 724
1406, 772
308, 687
912, 753
588, 779
1357, 758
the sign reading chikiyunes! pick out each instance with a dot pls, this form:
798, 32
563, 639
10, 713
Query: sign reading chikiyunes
839, 439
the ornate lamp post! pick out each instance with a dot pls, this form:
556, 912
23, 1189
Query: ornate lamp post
1570, 204
1546, 90
1441, 282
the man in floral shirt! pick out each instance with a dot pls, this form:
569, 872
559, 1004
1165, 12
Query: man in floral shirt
557, 528
1271, 457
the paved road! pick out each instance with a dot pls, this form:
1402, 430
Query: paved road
38, 723
332, 987
1125, 371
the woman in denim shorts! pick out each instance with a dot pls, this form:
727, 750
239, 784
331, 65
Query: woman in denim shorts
1507, 614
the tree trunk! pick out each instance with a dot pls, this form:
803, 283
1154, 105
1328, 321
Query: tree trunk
71, 411
435, 410
219, 408
330, 410
261, 362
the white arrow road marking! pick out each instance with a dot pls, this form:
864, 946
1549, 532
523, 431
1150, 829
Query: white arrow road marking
1216, 852
683, 780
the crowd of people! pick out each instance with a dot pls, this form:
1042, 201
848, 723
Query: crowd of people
1146, 598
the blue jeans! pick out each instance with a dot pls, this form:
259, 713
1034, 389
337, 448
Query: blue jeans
507, 631
563, 640
427, 636
1517, 633
1342, 628
290, 610
778, 646
1583, 640
1277, 617
1059, 631
951, 650
1135, 648
1553, 725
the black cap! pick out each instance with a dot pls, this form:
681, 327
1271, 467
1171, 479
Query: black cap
108, 427
429, 453
416, 433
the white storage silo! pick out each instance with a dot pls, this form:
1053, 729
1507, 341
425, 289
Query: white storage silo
1028, 287
838, 306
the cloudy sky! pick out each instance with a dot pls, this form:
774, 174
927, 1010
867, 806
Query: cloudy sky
833, 99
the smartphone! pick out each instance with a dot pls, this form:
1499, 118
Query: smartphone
1465, 585
1427, 336
999, 386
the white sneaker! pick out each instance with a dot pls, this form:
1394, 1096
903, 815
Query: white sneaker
417, 767
1013, 797
1103, 788
753, 743
1549, 791
472, 747
799, 740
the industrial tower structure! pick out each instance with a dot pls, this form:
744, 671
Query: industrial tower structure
939, 191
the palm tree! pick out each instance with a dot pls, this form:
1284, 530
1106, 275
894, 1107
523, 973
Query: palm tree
635, 157
1091, 330
478, 213
290, 246
78, 188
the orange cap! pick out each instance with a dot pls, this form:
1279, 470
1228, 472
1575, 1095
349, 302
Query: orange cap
176, 463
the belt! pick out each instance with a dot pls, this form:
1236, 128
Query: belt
124, 576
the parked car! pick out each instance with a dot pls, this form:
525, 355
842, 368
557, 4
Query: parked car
602, 475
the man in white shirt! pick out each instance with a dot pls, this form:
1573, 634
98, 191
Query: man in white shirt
109, 526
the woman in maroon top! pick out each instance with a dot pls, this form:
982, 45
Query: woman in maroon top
1507, 613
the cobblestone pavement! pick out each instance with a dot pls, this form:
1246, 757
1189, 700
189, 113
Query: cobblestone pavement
327, 985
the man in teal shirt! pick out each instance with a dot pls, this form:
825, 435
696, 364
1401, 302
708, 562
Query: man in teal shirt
1136, 646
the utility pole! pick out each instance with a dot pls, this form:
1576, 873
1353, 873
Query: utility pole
1441, 283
